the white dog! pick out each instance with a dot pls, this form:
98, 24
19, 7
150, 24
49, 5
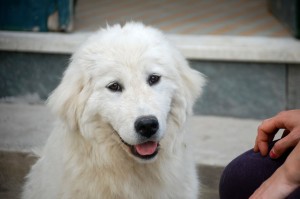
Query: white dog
122, 107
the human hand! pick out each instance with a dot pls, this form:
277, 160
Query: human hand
287, 120
284, 181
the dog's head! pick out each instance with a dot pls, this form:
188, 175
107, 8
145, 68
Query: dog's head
128, 81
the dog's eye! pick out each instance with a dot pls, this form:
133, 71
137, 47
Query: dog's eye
115, 87
153, 79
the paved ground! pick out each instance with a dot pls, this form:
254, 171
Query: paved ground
15, 165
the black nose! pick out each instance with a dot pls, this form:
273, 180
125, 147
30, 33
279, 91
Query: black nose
146, 126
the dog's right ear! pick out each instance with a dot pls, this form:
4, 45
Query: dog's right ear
68, 100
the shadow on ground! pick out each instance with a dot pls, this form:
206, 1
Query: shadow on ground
15, 165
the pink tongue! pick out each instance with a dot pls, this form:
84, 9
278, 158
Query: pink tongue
147, 148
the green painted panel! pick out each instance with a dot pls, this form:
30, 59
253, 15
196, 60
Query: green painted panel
32, 15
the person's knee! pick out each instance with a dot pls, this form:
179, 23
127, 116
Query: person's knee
243, 175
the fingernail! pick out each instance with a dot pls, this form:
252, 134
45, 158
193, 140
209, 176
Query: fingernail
273, 154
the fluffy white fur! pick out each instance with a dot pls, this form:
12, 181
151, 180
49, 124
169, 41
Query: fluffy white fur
84, 156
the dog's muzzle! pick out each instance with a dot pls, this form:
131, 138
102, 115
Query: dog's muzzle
146, 127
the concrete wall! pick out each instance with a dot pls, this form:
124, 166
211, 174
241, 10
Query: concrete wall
247, 90
234, 89
29, 73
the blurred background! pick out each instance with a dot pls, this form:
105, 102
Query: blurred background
248, 50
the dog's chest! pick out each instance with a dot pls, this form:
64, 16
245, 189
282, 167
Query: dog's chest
127, 184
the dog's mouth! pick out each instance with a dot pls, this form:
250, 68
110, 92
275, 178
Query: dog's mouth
146, 150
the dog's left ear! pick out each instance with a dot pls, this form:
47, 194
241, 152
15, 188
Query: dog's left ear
194, 82
190, 88
69, 98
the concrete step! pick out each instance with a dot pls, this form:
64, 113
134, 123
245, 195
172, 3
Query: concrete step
203, 47
215, 140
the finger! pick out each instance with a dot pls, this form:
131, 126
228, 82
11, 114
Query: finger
275, 123
255, 148
266, 132
262, 146
282, 145
285, 133
263, 139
